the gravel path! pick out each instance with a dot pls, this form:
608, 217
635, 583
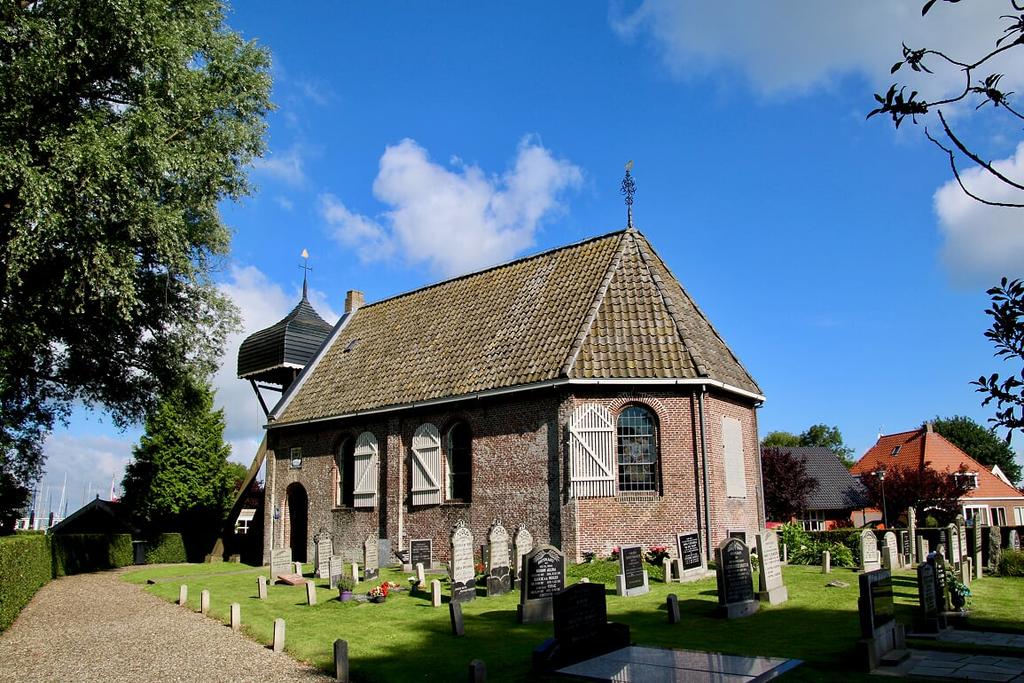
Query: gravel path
96, 627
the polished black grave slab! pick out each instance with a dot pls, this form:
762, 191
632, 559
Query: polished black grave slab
659, 665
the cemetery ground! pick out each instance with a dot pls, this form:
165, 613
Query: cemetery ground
405, 638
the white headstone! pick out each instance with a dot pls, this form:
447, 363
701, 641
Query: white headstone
236, 616
310, 593
869, 559
893, 551
522, 543
371, 560
261, 587
771, 588
322, 551
182, 594
463, 573
435, 592
278, 635
280, 562
499, 574
204, 602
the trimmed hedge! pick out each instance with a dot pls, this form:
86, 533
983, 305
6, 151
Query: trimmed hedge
77, 553
166, 548
25, 567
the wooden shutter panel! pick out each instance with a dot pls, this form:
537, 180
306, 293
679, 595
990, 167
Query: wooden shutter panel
592, 452
364, 492
735, 468
426, 465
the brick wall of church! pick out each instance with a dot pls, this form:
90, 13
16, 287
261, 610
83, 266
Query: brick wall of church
519, 474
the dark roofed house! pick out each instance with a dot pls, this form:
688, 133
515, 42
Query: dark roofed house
838, 493
579, 392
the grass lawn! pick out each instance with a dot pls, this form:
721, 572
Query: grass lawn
406, 639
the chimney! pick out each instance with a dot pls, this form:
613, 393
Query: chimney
353, 299
928, 426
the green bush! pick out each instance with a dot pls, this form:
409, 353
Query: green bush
77, 553
806, 547
1011, 563
166, 548
24, 569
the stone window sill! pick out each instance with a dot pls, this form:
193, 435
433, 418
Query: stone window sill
637, 497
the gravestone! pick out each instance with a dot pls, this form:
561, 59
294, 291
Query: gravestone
771, 588
336, 567
965, 572
954, 544
543, 575
463, 574
928, 614
890, 558
666, 568
1014, 542
995, 547
204, 601
522, 543
477, 671
280, 562
310, 593
322, 552
261, 587
735, 579
499, 574
581, 628
422, 550
977, 538
941, 587
371, 558
912, 533
922, 548
672, 606
435, 593
236, 616
632, 577
278, 635
421, 575
961, 528
455, 616
182, 594
882, 637
826, 562
341, 667
355, 572
941, 550
691, 565
869, 560
905, 559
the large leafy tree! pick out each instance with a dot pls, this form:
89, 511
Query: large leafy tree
122, 124
816, 435
787, 484
979, 442
179, 477
927, 490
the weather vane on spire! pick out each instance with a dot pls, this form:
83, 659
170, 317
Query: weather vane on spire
629, 189
305, 268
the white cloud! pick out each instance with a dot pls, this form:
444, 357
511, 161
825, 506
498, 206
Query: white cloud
288, 167
262, 303
90, 463
455, 219
982, 242
284, 202
791, 46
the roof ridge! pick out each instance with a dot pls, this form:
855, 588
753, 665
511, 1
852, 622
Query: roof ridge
595, 305
496, 266
681, 331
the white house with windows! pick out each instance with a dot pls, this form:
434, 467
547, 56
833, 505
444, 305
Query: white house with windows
579, 392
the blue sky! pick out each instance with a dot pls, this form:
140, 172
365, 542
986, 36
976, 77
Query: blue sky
412, 142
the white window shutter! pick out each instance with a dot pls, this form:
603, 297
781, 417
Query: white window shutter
592, 452
735, 467
364, 492
426, 465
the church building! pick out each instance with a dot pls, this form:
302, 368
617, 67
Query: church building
579, 392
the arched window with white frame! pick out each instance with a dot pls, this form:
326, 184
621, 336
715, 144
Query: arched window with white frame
637, 449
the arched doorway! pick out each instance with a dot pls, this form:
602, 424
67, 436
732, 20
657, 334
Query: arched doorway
298, 516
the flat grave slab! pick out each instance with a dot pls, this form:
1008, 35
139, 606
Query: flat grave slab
638, 663
292, 579
959, 666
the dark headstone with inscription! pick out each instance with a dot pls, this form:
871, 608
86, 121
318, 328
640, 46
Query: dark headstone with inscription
735, 579
463, 573
632, 577
938, 562
929, 618
690, 566
542, 575
455, 616
882, 637
421, 550
672, 606
582, 629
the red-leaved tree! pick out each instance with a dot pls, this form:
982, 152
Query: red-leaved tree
928, 491
786, 484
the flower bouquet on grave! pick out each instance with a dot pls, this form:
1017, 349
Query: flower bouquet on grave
959, 593
379, 593
615, 553
414, 583
656, 554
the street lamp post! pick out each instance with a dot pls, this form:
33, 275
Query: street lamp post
885, 515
